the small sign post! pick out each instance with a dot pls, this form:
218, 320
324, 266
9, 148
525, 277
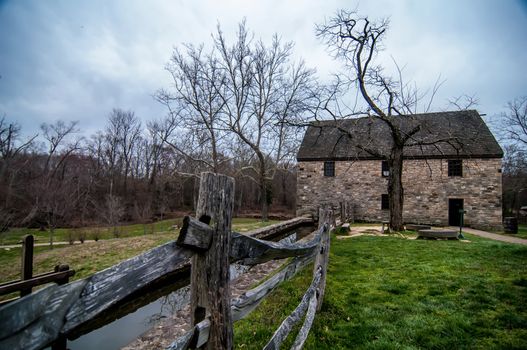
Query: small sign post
461, 217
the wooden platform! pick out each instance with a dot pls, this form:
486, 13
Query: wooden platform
438, 234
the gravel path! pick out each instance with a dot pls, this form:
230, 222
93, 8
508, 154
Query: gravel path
494, 236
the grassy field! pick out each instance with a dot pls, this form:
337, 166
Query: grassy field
14, 235
522, 232
394, 293
90, 257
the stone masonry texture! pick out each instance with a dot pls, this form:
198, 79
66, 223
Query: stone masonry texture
427, 190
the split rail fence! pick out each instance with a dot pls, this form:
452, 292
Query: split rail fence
60, 311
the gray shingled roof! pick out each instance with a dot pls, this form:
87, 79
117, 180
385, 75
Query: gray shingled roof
463, 134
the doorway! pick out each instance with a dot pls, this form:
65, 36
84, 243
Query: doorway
454, 206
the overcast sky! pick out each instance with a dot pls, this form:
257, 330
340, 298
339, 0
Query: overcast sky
76, 60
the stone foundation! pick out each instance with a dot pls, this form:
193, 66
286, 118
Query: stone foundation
427, 189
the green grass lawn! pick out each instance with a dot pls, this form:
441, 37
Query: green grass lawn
522, 232
393, 293
91, 257
14, 235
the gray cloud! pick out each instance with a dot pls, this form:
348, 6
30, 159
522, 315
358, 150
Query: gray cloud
78, 60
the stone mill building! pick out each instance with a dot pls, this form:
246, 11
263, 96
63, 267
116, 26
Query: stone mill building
453, 162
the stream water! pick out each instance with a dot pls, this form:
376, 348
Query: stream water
122, 331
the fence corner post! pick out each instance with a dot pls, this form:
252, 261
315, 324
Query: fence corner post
210, 290
27, 261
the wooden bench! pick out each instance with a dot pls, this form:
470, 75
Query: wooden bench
438, 234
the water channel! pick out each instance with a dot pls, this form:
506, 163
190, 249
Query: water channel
124, 330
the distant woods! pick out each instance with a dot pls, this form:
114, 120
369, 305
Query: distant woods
125, 172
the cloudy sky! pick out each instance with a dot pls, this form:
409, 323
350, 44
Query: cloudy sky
76, 60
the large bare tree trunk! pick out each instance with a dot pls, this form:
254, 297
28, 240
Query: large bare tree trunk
263, 189
395, 189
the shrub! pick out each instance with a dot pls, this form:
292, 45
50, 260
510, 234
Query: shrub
96, 234
71, 236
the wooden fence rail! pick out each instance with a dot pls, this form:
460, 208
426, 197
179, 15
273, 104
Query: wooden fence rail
215, 331
38, 319
53, 312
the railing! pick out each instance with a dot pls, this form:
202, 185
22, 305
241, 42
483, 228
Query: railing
60, 275
56, 311
212, 311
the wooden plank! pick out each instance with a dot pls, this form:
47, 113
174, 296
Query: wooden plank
285, 328
210, 289
28, 330
308, 322
247, 302
114, 284
271, 231
243, 305
195, 234
16, 281
248, 250
97, 293
102, 292
325, 219
27, 262
252, 251
35, 281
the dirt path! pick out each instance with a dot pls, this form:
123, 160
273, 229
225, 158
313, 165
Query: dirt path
164, 332
18, 245
494, 236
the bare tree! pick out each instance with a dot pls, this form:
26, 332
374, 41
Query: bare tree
112, 211
356, 41
11, 147
55, 192
261, 89
195, 105
514, 122
124, 131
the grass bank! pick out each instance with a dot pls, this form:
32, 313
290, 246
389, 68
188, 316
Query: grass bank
14, 235
90, 257
393, 293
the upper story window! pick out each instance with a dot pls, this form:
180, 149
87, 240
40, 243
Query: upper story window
329, 168
385, 202
385, 168
455, 167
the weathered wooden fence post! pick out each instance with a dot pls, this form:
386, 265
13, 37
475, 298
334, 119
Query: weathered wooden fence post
325, 217
27, 262
210, 291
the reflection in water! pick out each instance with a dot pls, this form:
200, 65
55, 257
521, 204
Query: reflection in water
124, 330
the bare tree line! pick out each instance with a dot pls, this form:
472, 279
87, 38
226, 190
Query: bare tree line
512, 127
235, 102
122, 173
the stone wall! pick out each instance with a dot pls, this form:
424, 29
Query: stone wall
427, 189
